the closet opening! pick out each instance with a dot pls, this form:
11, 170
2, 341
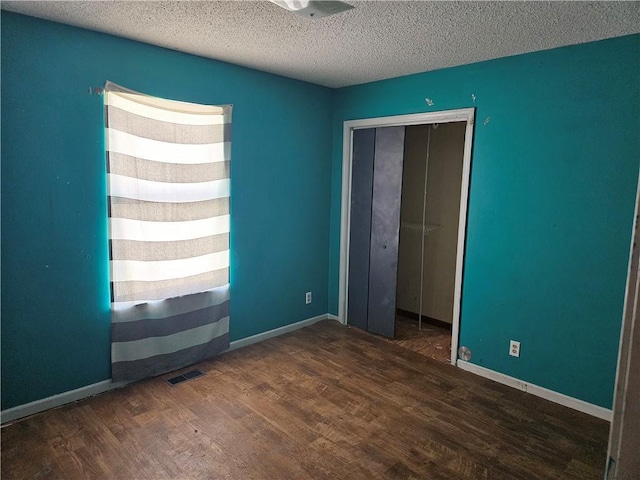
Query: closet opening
404, 212
428, 239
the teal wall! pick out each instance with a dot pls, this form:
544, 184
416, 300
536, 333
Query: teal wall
553, 183
55, 303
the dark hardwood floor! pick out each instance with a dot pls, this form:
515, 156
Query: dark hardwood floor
322, 402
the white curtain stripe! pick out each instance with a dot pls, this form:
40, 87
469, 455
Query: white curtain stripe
131, 270
166, 152
150, 191
168, 230
126, 229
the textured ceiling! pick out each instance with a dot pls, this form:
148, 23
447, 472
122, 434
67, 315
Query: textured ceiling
376, 40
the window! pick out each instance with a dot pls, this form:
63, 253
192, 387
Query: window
169, 191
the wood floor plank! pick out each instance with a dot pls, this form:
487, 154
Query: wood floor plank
324, 402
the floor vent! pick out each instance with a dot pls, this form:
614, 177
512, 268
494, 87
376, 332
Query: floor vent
184, 377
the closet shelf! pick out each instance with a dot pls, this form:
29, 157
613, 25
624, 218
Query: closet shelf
419, 228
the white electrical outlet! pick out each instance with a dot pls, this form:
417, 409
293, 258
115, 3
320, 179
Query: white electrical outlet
307, 298
514, 348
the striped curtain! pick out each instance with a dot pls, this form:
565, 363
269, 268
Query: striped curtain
168, 186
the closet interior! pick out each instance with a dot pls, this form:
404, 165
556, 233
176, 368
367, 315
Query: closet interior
427, 250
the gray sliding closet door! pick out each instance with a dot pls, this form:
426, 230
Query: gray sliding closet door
385, 230
375, 223
360, 232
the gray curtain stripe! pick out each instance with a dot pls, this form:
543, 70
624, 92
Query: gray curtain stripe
161, 289
128, 166
153, 366
140, 329
153, 346
167, 212
172, 306
156, 251
168, 132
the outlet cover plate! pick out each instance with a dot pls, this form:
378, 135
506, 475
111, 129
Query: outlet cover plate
514, 348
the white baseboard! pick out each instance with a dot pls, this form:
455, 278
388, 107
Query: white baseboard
556, 397
11, 414
37, 406
277, 331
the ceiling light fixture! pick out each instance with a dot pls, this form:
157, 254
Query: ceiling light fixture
313, 8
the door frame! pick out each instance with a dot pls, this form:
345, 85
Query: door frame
624, 431
446, 116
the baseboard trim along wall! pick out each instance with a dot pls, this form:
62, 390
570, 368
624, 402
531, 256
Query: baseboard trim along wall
15, 413
37, 406
556, 397
277, 332
31, 408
